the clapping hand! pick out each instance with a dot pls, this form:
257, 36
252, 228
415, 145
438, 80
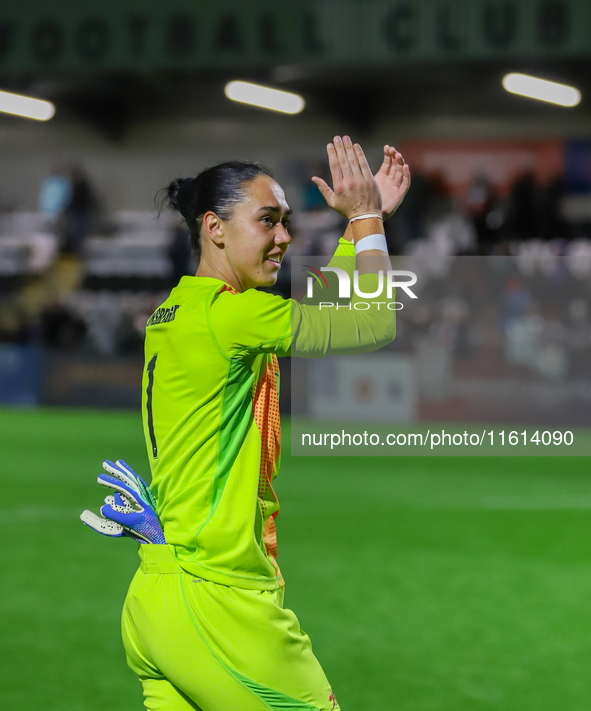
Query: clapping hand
348, 163
354, 189
393, 179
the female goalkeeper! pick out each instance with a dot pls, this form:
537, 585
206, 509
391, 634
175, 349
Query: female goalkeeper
204, 625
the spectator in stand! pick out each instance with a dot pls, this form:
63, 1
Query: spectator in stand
523, 221
61, 328
448, 231
482, 204
408, 223
78, 211
552, 223
179, 253
439, 202
54, 197
315, 229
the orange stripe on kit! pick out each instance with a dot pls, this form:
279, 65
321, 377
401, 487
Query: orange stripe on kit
266, 415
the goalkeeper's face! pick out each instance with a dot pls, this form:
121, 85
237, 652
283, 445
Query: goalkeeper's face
255, 238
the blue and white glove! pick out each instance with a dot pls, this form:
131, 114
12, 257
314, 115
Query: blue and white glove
130, 511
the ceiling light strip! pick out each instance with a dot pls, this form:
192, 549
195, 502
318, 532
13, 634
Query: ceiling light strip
541, 89
26, 106
265, 97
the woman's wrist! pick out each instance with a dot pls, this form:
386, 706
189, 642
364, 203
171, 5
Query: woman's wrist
366, 216
363, 228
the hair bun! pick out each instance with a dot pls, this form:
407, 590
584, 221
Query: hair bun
178, 193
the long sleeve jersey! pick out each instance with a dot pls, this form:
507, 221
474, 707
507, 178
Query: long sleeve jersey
211, 415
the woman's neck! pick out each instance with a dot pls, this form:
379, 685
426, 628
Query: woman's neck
223, 272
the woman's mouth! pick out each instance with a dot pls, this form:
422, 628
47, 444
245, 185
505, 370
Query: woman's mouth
275, 259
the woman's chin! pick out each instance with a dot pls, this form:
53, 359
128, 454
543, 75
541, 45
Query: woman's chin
268, 280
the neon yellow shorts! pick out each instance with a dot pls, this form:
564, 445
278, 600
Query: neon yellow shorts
200, 646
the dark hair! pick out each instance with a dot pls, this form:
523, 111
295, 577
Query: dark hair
218, 189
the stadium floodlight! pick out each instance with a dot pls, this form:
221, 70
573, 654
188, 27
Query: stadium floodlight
26, 106
265, 97
541, 89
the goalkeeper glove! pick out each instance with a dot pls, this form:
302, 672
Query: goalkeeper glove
130, 511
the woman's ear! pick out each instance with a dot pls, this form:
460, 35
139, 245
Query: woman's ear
212, 226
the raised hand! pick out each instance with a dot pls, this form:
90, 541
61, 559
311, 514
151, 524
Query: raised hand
354, 190
393, 179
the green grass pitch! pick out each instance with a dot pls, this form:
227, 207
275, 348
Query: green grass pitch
441, 584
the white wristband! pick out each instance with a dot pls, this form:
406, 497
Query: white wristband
376, 241
365, 217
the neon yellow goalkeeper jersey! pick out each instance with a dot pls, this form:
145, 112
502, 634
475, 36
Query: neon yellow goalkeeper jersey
211, 417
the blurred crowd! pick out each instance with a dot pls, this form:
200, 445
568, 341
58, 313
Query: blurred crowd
482, 220
77, 280
525, 317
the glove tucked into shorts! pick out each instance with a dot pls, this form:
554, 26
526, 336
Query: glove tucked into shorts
131, 511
